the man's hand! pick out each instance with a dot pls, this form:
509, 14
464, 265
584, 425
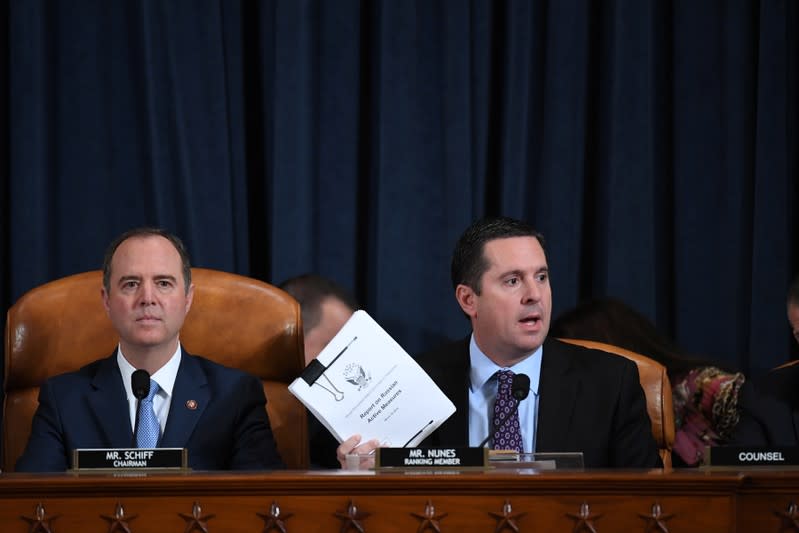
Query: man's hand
365, 450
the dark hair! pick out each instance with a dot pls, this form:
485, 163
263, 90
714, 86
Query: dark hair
468, 261
310, 290
614, 322
793, 292
141, 233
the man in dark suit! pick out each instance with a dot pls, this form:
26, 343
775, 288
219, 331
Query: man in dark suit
580, 400
588, 401
218, 413
770, 410
770, 407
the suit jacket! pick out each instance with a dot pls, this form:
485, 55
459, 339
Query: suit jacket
322, 445
228, 428
769, 410
589, 401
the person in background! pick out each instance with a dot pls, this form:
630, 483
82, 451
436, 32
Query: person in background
325, 307
217, 413
793, 308
580, 399
770, 409
705, 395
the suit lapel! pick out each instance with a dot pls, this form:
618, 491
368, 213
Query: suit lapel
190, 397
557, 393
455, 431
448, 367
107, 400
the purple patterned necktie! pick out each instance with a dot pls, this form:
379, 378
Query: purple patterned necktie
509, 435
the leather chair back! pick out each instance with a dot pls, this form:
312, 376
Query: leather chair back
657, 388
234, 320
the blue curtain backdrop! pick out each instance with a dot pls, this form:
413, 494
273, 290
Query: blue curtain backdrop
654, 143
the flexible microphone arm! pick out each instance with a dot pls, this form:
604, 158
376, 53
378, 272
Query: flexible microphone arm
520, 388
140, 383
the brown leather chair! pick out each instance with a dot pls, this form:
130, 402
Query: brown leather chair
234, 320
657, 388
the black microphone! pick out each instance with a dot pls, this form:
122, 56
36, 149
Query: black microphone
519, 389
140, 383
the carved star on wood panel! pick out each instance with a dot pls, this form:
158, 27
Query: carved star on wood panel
507, 519
584, 520
789, 518
196, 522
429, 519
656, 520
274, 519
118, 522
39, 523
351, 518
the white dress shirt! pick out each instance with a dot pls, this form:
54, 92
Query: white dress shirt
165, 377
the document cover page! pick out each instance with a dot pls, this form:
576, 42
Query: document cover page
364, 382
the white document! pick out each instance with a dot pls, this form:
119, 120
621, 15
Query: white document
364, 382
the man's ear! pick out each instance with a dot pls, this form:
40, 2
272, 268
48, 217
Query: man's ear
189, 297
467, 299
104, 297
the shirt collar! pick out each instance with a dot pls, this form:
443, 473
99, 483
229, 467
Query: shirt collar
164, 376
483, 368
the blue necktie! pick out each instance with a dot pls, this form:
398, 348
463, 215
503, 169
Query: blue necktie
149, 428
507, 434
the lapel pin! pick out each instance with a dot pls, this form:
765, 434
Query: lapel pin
191, 404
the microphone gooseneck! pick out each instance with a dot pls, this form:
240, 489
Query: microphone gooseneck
519, 389
140, 383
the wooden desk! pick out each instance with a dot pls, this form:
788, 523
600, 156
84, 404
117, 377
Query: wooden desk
492, 501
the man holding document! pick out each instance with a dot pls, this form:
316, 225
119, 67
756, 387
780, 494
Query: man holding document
579, 400
150, 393
364, 382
